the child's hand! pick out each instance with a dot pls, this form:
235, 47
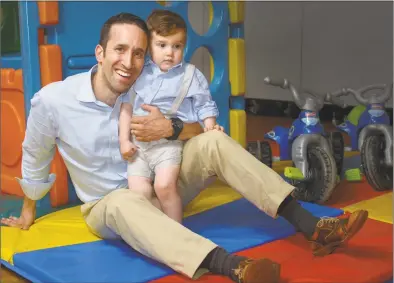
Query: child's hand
206, 129
216, 127
127, 149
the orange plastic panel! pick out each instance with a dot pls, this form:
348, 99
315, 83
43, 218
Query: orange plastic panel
12, 130
12, 134
48, 12
50, 64
51, 71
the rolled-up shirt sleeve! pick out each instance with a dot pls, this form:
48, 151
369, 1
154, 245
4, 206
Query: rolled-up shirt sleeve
38, 149
202, 99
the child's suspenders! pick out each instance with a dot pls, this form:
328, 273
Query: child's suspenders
187, 79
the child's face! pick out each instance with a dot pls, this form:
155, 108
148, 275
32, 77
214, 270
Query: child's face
167, 51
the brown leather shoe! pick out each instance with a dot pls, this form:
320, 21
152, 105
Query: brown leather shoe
332, 232
258, 271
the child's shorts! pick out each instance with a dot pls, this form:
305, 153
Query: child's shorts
152, 155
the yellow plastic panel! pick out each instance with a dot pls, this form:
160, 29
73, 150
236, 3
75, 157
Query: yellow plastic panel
211, 64
237, 11
238, 126
237, 70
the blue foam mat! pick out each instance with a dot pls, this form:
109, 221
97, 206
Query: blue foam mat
234, 226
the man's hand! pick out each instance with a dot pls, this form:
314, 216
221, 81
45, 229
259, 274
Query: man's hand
151, 127
23, 222
27, 217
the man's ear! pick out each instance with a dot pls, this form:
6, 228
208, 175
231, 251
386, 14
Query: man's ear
99, 52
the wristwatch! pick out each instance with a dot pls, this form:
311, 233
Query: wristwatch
177, 126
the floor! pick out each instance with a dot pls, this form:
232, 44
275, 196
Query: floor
7, 276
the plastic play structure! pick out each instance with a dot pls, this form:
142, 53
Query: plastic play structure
368, 126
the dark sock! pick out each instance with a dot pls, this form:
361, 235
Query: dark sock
298, 216
218, 261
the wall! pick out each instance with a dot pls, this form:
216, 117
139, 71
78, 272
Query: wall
318, 45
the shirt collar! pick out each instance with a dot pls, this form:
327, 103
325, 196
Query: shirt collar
156, 70
86, 93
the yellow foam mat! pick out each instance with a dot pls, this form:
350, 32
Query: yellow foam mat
67, 227
216, 194
379, 208
61, 228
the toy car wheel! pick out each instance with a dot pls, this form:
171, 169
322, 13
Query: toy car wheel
378, 174
322, 177
338, 148
262, 151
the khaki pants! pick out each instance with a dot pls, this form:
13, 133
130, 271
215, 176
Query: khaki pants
125, 214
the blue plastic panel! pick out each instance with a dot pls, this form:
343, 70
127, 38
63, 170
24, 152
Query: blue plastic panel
29, 24
12, 61
79, 30
78, 33
237, 30
237, 102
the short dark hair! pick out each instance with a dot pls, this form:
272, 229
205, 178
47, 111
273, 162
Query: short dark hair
122, 18
165, 22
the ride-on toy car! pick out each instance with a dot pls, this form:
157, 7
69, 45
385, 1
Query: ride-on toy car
317, 156
368, 126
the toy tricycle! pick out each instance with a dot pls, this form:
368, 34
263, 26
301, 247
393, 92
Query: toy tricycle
261, 150
368, 126
316, 155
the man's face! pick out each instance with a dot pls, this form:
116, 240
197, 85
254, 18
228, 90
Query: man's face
167, 51
122, 61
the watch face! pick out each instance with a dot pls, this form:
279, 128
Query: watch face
177, 126
178, 123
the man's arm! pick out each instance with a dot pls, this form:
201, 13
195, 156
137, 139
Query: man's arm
38, 149
155, 126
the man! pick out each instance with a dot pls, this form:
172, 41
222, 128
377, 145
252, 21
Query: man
80, 116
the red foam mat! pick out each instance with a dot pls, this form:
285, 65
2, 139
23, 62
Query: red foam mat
367, 258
